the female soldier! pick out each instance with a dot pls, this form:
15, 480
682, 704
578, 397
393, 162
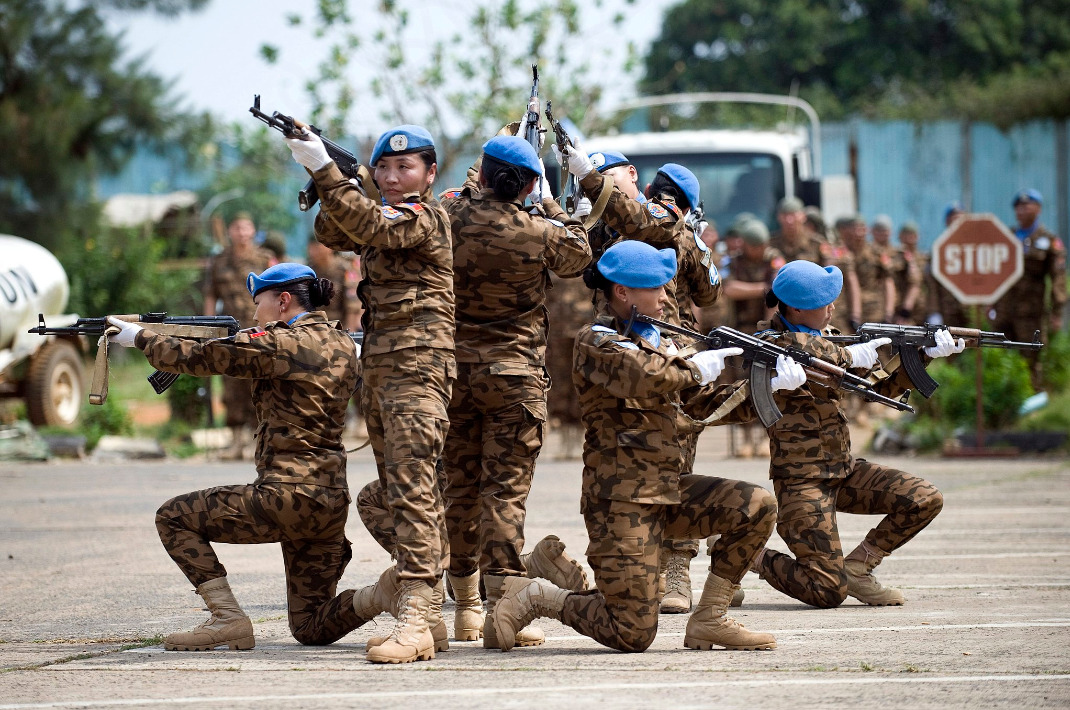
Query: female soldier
814, 473
303, 372
407, 359
636, 492
502, 256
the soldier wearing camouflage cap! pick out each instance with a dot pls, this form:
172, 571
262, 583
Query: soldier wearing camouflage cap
408, 363
794, 239
636, 492
303, 371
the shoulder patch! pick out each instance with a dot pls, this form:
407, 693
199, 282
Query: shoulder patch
390, 213
414, 206
656, 210
449, 194
257, 334
672, 206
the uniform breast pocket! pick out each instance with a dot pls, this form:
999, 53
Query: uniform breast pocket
395, 307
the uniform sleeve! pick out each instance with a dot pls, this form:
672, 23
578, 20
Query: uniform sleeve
734, 398
649, 221
625, 369
249, 355
567, 250
360, 221
1057, 271
703, 280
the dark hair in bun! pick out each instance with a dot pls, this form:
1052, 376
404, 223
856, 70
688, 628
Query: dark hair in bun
597, 281
506, 180
311, 295
663, 185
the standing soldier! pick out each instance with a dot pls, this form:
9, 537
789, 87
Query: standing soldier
876, 299
407, 359
303, 369
338, 268
636, 492
814, 473
1035, 302
910, 266
224, 284
881, 231
502, 255
794, 239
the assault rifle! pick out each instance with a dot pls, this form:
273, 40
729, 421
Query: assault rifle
761, 356
346, 161
532, 134
197, 327
907, 341
571, 192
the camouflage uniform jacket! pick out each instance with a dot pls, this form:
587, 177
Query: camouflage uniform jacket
872, 265
908, 270
747, 312
502, 259
1044, 257
809, 247
303, 377
812, 440
225, 279
698, 280
406, 263
629, 394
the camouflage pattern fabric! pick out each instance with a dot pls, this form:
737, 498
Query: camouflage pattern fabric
568, 303
406, 263
697, 282
806, 246
345, 300
908, 270
302, 378
309, 522
747, 312
625, 543
806, 520
872, 267
375, 513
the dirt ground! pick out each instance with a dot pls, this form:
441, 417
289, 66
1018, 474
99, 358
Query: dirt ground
86, 591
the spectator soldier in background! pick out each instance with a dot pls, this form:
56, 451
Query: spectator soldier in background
910, 268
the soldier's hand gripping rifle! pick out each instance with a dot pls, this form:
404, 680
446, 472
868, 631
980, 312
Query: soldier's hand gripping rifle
908, 340
571, 192
197, 327
761, 356
346, 161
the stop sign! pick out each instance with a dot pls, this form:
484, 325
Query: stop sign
977, 259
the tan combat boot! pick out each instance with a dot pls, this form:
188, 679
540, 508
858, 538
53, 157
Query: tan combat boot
677, 598
522, 600
468, 621
549, 561
376, 598
862, 585
710, 626
228, 625
738, 596
434, 620
411, 638
532, 636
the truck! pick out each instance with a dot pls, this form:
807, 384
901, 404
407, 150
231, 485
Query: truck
739, 169
47, 373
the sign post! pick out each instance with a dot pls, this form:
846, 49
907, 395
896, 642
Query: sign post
977, 259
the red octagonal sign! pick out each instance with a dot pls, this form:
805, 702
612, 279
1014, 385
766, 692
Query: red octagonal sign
977, 259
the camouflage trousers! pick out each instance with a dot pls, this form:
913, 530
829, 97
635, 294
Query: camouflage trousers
496, 430
806, 520
309, 522
404, 400
625, 543
377, 517
238, 402
688, 450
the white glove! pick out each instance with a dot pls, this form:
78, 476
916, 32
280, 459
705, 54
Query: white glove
578, 162
789, 374
127, 332
945, 345
542, 189
309, 151
711, 362
522, 131
583, 208
864, 355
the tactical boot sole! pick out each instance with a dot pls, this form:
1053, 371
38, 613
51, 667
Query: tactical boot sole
898, 602
242, 644
442, 642
703, 645
467, 635
418, 656
671, 605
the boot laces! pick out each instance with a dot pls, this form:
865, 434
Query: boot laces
675, 573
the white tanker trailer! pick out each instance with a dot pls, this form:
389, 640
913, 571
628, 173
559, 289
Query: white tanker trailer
47, 372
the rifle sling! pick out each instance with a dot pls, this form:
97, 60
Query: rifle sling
368, 184
98, 389
599, 205
182, 330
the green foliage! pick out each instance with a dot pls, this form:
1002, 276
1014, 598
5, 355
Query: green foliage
188, 404
1055, 416
1005, 383
103, 420
1055, 363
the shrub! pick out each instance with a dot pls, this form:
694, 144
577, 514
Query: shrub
1005, 385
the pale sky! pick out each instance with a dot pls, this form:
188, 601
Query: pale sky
213, 55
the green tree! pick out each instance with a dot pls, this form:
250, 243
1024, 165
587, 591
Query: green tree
848, 54
72, 107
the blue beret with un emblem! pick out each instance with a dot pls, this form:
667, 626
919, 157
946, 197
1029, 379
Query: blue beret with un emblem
278, 275
607, 159
683, 179
513, 150
401, 140
636, 264
1030, 195
806, 285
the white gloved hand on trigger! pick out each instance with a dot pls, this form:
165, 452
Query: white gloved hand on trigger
711, 362
945, 345
309, 151
583, 208
864, 355
789, 374
576, 159
127, 332
522, 131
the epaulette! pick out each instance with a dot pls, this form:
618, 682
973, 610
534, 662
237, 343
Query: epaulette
449, 194
672, 206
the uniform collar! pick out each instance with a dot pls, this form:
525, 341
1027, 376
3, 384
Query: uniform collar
1024, 234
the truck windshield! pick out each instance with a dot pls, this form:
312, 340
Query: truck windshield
730, 182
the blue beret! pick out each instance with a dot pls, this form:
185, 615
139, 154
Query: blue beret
953, 206
636, 264
401, 140
513, 150
282, 274
1030, 195
806, 285
684, 179
608, 159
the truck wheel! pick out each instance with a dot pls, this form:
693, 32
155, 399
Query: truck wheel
55, 385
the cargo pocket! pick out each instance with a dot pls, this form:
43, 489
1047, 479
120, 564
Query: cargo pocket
395, 307
621, 572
